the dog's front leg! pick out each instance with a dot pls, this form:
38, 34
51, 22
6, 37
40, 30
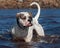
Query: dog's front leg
30, 34
39, 29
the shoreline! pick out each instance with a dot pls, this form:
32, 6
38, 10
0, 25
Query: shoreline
14, 4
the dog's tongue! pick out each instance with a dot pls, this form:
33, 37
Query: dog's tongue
28, 24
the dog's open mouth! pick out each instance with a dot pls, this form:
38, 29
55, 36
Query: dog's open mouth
28, 24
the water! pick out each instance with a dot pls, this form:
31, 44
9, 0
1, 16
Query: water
49, 19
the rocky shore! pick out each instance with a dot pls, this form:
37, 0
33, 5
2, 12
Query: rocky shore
14, 4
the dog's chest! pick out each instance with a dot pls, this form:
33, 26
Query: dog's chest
21, 32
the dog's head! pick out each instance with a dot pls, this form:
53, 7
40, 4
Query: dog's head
24, 18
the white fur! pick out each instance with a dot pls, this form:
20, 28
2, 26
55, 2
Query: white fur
38, 13
13, 31
38, 26
30, 34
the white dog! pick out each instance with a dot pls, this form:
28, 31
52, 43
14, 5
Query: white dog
26, 24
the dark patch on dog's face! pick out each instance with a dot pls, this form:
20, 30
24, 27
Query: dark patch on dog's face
30, 19
22, 17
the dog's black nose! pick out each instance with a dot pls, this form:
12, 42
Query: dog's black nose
29, 20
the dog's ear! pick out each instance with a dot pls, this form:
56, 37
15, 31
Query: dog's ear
19, 15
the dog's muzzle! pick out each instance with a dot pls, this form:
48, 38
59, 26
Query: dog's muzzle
29, 22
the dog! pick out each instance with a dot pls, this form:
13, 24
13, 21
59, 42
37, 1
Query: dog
26, 24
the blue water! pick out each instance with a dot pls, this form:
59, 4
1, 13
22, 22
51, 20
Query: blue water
49, 19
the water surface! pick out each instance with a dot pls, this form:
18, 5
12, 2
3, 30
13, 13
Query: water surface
49, 19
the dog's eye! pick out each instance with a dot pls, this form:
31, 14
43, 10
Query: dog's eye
23, 17
30, 17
